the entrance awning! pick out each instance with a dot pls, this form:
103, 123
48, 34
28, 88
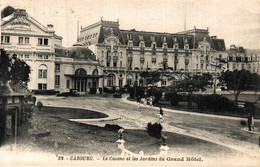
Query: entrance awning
84, 76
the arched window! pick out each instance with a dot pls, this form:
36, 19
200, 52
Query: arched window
129, 80
111, 80
95, 72
81, 72
42, 72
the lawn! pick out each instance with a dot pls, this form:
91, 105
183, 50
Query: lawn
69, 138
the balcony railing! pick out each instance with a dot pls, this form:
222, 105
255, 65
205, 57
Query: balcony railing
115, 57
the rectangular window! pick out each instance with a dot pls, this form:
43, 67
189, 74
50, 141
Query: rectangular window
201, 66
20, 40
57, 67
57, 80
120, 63
197, 66
40, 74
2, 39
27, 40
39, 41
46, 57
7, 39
42, 86
39, 56
120, 83
164, 82
45, 41
44, 74
115, 63
26, 56
21, 56
68, 84
108, 64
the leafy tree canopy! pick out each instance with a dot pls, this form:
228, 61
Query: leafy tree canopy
20, 70
151, 76
238, 81
190, 82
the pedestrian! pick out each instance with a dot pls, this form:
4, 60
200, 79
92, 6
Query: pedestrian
250, 122
161, 119
151, 101
161, 111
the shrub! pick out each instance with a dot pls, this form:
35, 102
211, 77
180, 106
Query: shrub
249, 107
215, 102
140, 91
154, 129
169, 95
112, 127
174, 101
243, 123
39, 105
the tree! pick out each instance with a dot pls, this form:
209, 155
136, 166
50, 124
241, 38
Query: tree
238, 81
191, 82
12, 69
151, 77
20, 71
5, 65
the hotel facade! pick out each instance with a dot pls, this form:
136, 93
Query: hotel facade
107, 56
125, 54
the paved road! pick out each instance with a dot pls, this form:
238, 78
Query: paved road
221, 130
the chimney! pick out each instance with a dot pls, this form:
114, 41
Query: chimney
50, 28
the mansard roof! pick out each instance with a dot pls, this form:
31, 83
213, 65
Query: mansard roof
158, 38
76, 52
103, 29
218, 44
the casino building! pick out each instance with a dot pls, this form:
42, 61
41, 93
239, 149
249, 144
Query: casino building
126, 53
26, 38
53, 68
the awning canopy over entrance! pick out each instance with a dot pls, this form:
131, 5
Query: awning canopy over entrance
84, 76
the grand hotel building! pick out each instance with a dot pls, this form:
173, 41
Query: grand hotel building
105, 55
124, 54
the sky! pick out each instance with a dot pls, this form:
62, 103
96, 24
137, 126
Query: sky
236, 21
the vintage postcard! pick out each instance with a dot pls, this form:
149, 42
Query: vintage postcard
130, 82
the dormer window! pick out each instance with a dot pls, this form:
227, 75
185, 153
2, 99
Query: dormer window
142, 44
153, 45
152, 38
186, 46
175, 46
129, 36
130, 43
141, 37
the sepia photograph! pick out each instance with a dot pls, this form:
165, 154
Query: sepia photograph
130, 83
